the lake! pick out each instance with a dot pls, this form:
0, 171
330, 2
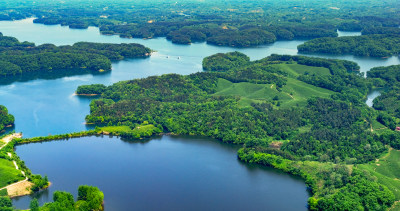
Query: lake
167, 173
46, 104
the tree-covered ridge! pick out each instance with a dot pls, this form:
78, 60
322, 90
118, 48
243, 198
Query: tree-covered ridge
382, 45
6, 119
18, 58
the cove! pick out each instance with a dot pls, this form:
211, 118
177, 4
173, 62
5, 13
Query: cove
171, 173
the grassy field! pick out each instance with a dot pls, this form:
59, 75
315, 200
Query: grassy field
143, 130
387, 171
295, 70
116, 129
8, 173
293, 93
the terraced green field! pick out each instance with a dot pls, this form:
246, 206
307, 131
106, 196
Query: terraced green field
295, 92
295, 70
387, 171
8, 173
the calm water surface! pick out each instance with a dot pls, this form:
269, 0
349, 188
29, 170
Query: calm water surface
167, 173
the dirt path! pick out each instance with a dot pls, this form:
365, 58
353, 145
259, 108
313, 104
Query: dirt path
9, 138
21, 187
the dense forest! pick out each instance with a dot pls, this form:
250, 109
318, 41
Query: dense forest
23, 57
389, 100
379, 45
228, 23
303, 115
6, 119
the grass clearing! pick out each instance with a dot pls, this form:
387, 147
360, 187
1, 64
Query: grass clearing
116, 129
8, 173
143, 130
295, 92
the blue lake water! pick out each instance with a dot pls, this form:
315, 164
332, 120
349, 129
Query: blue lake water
165, 173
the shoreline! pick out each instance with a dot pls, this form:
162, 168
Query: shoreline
86, 95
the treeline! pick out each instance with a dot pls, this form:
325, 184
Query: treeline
217, 33
18, 58
89, 198
366, 45
94, 89
369, 23
6, 119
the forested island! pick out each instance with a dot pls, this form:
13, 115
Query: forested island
6, 119
378, 45
303, 115
24, 57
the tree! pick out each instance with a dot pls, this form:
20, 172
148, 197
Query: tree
5, 202
34, 205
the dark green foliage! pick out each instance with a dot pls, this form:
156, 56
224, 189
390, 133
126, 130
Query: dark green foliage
225, 61
5, 202
389, 100
336, 133
4, 192
34, 205
17, 58
366, 45
6, 119
243, 38
92, 197
39, 182
390, 74
89, 198
360, 193
350, 26
61, 201
91, 89
381, 30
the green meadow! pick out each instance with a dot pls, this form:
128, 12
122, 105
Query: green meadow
295, 92
8, 173
387, 172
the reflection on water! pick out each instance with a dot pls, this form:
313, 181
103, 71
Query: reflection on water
49, 75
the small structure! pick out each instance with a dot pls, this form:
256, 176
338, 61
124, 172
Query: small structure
397, 128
